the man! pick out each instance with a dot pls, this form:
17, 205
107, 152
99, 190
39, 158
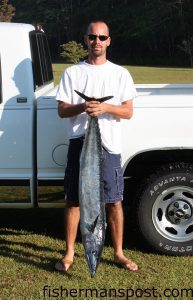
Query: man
96, 77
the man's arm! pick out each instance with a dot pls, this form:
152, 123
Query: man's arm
95, 108
66, 110
123, 111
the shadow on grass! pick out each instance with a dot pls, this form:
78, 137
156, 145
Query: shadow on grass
38, 261
47, 222
50, 222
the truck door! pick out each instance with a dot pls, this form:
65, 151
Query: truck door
16, 117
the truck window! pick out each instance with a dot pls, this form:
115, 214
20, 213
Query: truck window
41, 60
0, 83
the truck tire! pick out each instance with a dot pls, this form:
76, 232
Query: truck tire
165, 210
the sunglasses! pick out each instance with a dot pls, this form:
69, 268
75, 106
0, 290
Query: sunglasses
93, 37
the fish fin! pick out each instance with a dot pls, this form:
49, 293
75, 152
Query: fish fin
83, 96
91, 98
104, 98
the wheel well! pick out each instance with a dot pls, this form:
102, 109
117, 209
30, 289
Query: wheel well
145, 163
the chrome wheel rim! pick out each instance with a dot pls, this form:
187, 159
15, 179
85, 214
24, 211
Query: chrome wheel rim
172, 214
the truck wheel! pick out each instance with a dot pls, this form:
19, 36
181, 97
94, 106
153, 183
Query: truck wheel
165, 210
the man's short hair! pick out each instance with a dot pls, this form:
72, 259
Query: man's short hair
97, 21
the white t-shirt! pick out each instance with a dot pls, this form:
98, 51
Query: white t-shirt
97, 81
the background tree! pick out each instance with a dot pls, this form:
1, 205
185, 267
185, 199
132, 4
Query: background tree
7, 11
53, 15
144, 32
187, 47
73, 52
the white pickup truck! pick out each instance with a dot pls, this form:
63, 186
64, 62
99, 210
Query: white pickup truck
157, 144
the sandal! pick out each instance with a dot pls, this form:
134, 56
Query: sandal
60, 265
127, 264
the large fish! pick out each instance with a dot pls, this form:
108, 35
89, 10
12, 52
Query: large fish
91, 192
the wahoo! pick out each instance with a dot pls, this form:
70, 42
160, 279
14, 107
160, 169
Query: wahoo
91, 192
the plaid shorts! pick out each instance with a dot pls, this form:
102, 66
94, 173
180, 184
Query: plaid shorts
112, 174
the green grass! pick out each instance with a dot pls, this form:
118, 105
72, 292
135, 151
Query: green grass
161, 75
31, 241
57, 71
146, 74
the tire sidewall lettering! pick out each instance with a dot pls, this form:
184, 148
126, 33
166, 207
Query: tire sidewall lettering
165, 182
179, 249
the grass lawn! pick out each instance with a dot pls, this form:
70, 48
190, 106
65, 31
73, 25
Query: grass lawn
31, 241
146, 74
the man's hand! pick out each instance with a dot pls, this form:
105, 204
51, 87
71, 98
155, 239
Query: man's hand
94, 108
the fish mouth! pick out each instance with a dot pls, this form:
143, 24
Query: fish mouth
93, 260
92, 274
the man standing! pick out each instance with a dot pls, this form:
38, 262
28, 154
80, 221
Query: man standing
96, 77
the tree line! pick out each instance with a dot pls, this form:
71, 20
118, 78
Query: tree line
143, 32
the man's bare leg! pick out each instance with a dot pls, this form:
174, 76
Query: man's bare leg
115, 221
71, 221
